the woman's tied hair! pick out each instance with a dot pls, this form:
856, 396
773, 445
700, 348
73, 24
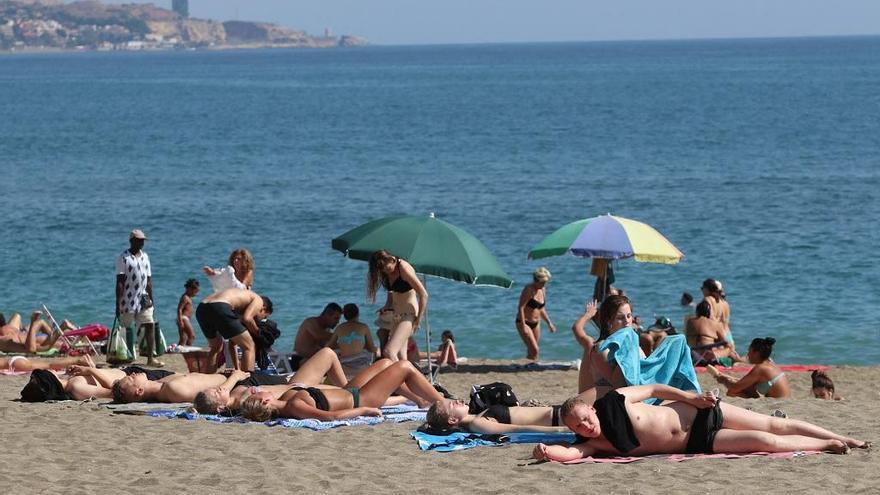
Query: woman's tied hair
764, 347
821, 380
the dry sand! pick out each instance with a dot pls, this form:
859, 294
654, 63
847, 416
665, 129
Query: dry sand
84, 448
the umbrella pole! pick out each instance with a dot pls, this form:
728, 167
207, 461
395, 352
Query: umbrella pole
431, 376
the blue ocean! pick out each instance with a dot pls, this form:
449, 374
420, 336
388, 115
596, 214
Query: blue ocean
757, 158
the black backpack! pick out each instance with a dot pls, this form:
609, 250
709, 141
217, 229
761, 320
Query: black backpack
43, 386
483, 396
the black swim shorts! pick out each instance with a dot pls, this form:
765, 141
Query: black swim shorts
706, 424
219, 317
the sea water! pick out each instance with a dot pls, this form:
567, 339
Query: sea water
757, 158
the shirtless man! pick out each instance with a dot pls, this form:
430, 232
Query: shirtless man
87, 382
11, 339
229, 315
314, 333
707, 337
620, 424
137, 387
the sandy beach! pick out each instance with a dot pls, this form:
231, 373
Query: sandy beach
85, 448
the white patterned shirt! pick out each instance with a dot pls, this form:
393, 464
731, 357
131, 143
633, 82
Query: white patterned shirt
136, 270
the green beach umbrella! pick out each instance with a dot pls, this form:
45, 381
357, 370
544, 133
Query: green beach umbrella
432, 246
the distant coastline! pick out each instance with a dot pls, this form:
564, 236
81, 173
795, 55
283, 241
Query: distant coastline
53, 26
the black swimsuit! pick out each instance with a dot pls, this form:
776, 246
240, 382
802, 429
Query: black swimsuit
501, 414
259, 380
615, 423
400, 285
535, 304
318, 396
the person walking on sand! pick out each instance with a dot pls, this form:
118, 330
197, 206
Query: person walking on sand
230, 315
134, 291
407, 298
185, 311
530, 311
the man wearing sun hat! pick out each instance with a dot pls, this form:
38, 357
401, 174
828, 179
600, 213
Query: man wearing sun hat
134, 291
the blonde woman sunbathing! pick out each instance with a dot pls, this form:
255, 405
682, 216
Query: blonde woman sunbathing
621, 424
363, 396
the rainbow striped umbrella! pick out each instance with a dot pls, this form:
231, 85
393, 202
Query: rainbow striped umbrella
609, 237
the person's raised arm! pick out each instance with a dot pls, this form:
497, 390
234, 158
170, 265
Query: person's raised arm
235, 376
639, 393
578, 328
105, 378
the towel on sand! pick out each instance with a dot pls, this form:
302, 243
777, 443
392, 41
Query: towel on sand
396, 414
462, 440
669, 364
689, 457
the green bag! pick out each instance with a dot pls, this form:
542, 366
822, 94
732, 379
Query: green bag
117, 350
161, 343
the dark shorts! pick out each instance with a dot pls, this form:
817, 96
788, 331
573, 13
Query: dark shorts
219, 317
152, 375
703, 431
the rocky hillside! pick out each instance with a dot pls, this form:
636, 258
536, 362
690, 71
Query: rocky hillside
89, 24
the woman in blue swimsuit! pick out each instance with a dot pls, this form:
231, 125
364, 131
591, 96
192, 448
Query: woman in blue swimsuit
353, 341
407, 298
765, 379
531, 310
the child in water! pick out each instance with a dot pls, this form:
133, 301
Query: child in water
184, 312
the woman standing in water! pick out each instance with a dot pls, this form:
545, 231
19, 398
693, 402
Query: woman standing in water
407, 298
531, 311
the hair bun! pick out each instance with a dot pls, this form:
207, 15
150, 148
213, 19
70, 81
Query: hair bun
770, 340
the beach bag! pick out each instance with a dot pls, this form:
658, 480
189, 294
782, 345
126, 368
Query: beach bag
160, 342
497, 393
117, 350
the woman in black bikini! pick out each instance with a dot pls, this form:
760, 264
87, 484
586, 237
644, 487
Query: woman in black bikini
362, 396
531, 310
407, 298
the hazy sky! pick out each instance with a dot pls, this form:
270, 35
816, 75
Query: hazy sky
479, 21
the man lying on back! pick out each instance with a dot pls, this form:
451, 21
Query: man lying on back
137, 387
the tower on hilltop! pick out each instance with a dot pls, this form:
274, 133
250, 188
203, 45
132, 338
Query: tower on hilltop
181, 7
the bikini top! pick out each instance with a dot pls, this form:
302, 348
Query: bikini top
400, 285
318, 396
535, 304
615, 423
351, 338
498, 412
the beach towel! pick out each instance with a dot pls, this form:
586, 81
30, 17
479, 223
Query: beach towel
669, 364
462, 440
395, 414
690, 457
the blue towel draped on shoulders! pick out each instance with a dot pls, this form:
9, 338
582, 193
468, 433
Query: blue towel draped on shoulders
669, 364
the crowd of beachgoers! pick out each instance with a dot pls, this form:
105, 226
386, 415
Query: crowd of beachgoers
637, 393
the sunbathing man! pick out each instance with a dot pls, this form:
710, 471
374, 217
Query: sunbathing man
620, 424
88, 382
12, 340
365, 394
230, 314
137, 387
449, 413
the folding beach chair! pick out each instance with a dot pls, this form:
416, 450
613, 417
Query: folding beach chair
73, 343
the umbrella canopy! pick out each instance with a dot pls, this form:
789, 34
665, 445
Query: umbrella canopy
432, 246
609, 237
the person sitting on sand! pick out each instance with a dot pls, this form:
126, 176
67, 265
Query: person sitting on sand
822, 386
313, 333
366, 393
708, 338
354, 341
615, 314
621, 424
765, 379
137, 387
445, 353
14, 339
230, 315
454, 413
650, 338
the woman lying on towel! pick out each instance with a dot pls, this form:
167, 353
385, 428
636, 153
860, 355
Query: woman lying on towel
620, 424
363, 396
311, 373
446, 414
765, 379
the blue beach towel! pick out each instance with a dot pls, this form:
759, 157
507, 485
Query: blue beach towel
669, 364
396, 414
462, 440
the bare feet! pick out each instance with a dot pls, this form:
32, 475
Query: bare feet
837, 447
858, 444
155, 363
